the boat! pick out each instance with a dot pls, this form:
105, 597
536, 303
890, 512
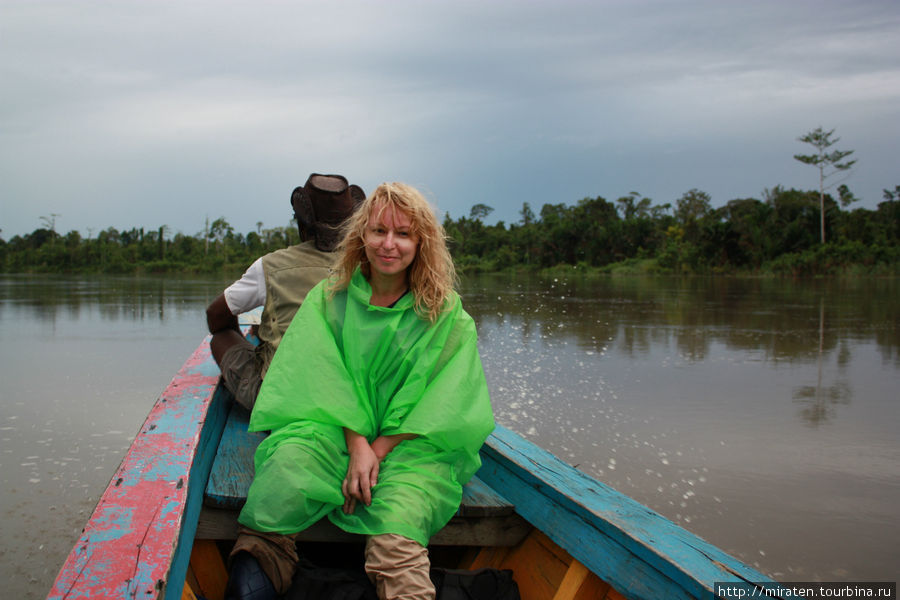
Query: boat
167, 517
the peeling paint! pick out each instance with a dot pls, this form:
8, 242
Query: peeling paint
127, 546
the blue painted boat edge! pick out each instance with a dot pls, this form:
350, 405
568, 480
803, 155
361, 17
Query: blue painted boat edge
641, 553
210, 434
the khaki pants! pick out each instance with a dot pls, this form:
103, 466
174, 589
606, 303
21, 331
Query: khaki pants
399, 568
397, 565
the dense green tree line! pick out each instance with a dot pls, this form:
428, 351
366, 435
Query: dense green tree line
139, 249
777, 234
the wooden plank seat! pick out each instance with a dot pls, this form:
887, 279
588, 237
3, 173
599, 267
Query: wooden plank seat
484, 517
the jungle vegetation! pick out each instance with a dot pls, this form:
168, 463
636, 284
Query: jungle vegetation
778, 234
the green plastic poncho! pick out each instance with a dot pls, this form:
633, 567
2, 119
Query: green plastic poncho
378, 371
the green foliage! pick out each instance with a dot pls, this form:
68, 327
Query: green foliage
480, 211
141, 250
774, 235
828, 164
821, 140
835, 258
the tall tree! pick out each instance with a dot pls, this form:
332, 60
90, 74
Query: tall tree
633, 205
219, 231
693, 205
528, 215
828, 163
480, 211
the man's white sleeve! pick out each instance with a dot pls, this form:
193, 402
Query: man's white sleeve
249, 291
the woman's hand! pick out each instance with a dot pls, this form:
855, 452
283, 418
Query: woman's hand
383, 445
365, 462
362, 473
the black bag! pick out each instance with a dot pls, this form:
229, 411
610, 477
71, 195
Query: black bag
481, 584
312, 582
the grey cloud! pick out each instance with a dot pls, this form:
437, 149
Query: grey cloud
132, 114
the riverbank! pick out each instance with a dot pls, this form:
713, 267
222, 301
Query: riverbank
850, 259
831, 260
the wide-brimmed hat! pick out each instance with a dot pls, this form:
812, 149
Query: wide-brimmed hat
323, 204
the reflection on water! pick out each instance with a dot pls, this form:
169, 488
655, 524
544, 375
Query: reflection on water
819, 401
760, 414
47, 298
775, 317
782, 324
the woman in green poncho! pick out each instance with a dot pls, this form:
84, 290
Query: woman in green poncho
376, 402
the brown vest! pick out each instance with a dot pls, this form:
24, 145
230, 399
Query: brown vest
290, 274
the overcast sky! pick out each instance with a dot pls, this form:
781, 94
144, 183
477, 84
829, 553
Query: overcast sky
141, 114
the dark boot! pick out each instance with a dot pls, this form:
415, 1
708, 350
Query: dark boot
247, 580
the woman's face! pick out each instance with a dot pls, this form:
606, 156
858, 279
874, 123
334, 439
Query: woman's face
391, 245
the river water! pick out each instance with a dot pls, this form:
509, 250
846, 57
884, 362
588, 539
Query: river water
762, 415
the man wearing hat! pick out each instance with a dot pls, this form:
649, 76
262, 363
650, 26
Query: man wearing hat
279, 282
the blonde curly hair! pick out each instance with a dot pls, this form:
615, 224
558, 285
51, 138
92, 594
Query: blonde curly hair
431, 276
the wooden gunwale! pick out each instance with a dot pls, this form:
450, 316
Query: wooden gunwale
640, 553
